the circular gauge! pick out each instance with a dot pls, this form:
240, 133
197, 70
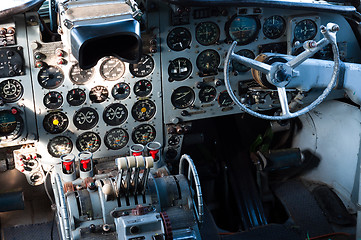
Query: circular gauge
207, 33
143, 68
207, 94
142, 88
11, 90
238, 67
274, 27
11, 125
143, 134
224, 99
116, 139
59, 145
98, 94
143, 110
53, 100
55, 122
208, 61
182, 97
76, 97
50, 77
174, 140
115, 114
179, 39
80, 76
243, 29
305, 30
179, 69
88, 141
11, 62
121, 91
85, 118
112, 69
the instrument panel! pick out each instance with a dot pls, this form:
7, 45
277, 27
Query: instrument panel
194, 55
50, 100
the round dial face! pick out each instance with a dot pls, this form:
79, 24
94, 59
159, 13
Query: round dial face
207, 33
143, 134
53, 100
179, 39
207, 94
179, 69
59, 145
174, 140
208, 61
305, 30
11, 90
224, 99
243, 29
85, 118
11, 125
76, 97
88, 141
274, 27
238, 67
50, 77
116, 139
121, 91
143, 68
143, 110
98, 94
142, 88
115, 114
112, 69
55, 122
80, 76
183, 97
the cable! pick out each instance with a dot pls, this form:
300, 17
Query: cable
46, 186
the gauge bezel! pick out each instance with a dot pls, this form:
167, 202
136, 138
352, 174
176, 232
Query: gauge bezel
58, 137
93, 123
17, 85
219, 96
279, 34
144, 118
118, 76
18, 129
142, 93
218, 33
188, 43
46, 69
125, 95
77, 144
148, 72
200, 94
212, 71
116, 122
170, 74
68, 95
107, 144
175, 102
136, 129
104, 97
57, 130
81, 82
250, 39
55, 106
311, 36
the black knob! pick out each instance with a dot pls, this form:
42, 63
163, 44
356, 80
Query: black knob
185, 113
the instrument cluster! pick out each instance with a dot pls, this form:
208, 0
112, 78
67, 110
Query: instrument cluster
194, 56
103, 110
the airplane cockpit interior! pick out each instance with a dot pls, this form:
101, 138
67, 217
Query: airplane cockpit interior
180, 119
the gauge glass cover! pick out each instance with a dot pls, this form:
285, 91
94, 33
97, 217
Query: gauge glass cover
76, 97
142, 88
85, 118
143, 68
243, 29
50, 77
274, 27
305, 30
59, 145
112, 69
207, 33
183, 97
208, 62
88, 141
115, 114
98, 94
116, 138
80, 76
55, 122
143, 134
207, 94
179, 69
179, 39
53, 100
11, 90
143, 110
